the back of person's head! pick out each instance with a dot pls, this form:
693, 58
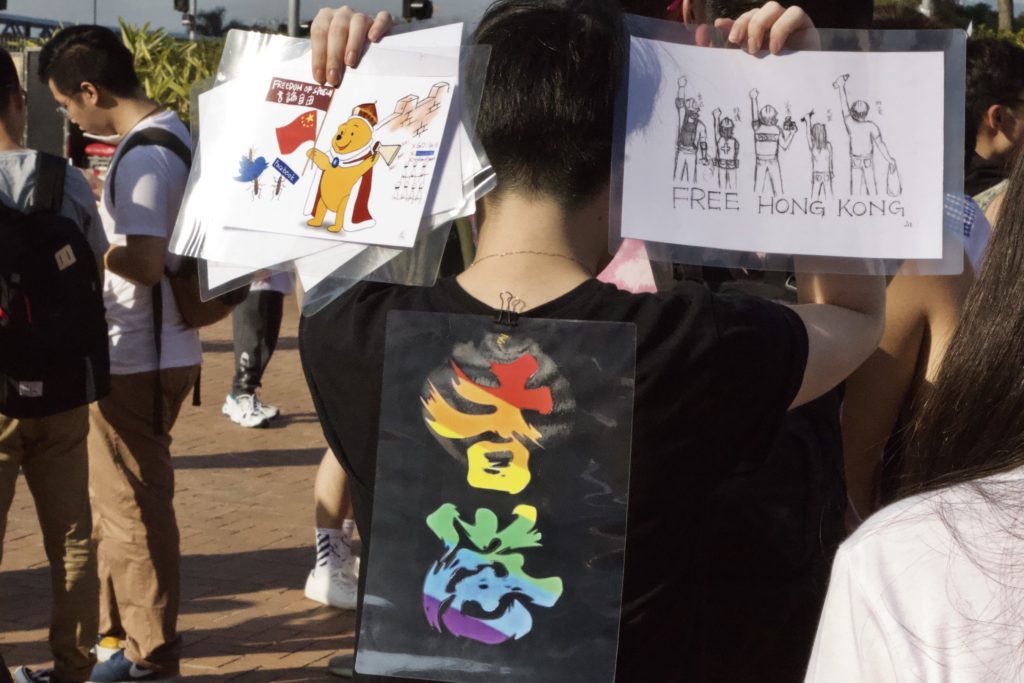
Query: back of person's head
859, 110
972, 423
548, 102
10, 86
995, 76
819, 135
92, 54
768, 115
824, 13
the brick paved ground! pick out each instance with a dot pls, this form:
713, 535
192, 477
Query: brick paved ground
244, 502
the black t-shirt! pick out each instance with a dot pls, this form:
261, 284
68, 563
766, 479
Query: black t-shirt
981, 174
715, 375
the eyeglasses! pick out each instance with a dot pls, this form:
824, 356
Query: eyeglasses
62, 108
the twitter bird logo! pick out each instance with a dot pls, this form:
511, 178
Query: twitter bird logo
251, 169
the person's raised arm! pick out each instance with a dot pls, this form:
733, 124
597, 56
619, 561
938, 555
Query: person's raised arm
844, 316
807, 129
338, 38
787, 137
140, 260
844, 103
921, 314
716, 117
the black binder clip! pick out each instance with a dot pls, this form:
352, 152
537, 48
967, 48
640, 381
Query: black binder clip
511, 308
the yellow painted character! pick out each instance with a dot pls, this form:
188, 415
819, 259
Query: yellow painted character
354, 159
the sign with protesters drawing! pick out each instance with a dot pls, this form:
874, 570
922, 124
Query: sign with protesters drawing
500, 500
823, 153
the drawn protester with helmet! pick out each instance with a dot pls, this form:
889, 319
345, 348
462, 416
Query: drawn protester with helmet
865, 140
768, 138
727, 151
692, 137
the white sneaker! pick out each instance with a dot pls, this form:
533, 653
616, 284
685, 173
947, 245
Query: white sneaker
259, 406
334, 587
242, 411
107, 647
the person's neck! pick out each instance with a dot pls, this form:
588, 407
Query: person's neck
985, 147
130, 112
9, 143
535, 249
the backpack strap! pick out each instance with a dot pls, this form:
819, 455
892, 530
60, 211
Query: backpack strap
152, 137
49, 190
158, 389
148, 137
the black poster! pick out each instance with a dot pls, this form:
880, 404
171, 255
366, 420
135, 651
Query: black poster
499, 513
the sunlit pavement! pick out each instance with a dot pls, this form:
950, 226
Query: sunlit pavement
245, 509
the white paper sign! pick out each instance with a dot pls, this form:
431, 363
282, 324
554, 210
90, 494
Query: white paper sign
354, 165
824, 153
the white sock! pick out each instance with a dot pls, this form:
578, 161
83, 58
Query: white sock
331, 549
348, 528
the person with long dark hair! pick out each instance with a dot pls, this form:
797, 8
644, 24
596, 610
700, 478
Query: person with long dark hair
930, 588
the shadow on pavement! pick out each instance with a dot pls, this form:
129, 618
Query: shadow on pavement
288, 457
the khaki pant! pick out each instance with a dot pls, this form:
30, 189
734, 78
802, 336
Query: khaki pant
132, 488
51, 451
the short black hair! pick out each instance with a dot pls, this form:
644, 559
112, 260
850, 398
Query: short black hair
10, 86
549, 99
995, 75
88, 53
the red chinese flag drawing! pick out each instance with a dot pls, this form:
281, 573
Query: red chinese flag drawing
302, 129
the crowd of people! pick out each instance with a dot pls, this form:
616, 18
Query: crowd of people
824, 485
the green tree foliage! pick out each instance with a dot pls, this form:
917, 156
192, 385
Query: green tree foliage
168, 66
211, 22
952, 13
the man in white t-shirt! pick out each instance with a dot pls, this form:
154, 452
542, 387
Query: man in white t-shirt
51, 450
91, 76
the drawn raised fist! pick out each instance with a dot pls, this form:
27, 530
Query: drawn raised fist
682, 82
754, 93
716, 112
838, 83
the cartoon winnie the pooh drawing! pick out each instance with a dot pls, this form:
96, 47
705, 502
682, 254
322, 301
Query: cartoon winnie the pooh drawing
348, 170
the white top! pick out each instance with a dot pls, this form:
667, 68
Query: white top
912, 600
18, 183
280, 281
150, 185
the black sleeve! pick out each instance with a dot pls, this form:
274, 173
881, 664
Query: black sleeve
759, 366
308, 357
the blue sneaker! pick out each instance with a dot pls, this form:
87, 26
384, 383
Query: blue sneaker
120, 669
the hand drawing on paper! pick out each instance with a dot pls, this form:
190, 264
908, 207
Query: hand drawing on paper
691, 137
414, 113
769, 137
727, 151
822, 172
348, 170
411, 185
865, 139
250, 169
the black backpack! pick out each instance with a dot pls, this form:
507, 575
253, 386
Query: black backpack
54, 353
